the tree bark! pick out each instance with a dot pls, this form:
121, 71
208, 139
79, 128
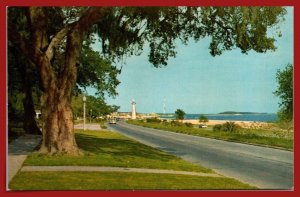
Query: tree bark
58, 128
58, 125
57, 117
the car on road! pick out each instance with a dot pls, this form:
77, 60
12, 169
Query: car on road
202, 126
112, 121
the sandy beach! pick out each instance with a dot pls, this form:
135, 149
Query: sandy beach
244, 124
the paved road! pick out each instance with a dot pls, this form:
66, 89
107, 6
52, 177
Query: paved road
265, 168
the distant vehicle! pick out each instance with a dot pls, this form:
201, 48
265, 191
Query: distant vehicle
202, 126
112, 121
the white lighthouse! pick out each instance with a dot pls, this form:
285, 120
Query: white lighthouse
133, 112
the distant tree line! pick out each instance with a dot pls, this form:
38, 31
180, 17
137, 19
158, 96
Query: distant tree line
95, 107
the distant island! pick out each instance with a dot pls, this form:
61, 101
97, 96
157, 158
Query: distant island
234, 112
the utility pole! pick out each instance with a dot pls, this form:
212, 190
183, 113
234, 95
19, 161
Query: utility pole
84, 100
91, 111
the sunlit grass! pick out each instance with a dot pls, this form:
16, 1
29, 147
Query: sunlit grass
105, 148
252, 136
119, 181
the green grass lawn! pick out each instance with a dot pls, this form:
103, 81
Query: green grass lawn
105, 148
119, 181
252, 136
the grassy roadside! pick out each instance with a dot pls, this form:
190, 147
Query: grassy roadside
251, 136
107, 148
119, 181
104, 148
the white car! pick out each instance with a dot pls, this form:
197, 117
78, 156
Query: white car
113, 121
202, 126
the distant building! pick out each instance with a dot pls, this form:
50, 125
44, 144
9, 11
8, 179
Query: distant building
128, 115
148, 115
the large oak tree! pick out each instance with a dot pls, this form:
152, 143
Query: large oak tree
123, 31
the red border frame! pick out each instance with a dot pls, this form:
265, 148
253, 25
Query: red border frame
4, 3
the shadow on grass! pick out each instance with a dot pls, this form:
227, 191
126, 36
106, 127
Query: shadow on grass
119, 147
104, 148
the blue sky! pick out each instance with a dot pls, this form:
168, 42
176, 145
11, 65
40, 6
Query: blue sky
199, 83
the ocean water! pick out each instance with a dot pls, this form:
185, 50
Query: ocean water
241, 117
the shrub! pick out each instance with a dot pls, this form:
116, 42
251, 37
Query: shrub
230, 127
227, 126
179, 113
188, 124
153, 120
165, 122
203, 119
217, 127
175, 123
102, 125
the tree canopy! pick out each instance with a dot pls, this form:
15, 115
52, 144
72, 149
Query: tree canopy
285, 92
179, 114
95, 107
228, 27
58, 42
203, 119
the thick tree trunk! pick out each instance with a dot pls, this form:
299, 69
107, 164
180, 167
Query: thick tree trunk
58, 128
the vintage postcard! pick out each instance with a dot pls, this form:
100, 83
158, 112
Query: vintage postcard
150, 98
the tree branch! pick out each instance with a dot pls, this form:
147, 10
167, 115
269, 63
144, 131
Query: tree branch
38, 21
75, 38
55, 41
90, 17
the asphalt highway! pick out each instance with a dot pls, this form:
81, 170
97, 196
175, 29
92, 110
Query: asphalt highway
266, 168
